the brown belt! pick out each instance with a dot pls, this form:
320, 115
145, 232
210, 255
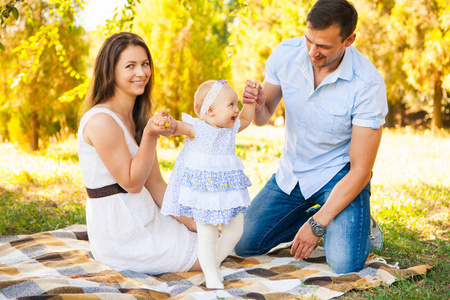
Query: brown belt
105, 191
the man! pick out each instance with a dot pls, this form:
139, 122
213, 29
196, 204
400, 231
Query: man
335, 103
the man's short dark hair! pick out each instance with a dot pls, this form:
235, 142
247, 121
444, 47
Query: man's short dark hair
326, 13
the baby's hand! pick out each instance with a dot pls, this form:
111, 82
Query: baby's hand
253, 93
161, 120
162, 124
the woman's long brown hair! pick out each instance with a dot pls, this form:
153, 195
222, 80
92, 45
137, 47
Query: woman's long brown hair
102, 84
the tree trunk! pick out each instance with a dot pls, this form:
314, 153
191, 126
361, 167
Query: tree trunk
437, 104
390, 117
34, 138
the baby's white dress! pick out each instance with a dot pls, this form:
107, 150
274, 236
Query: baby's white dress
208, 181
127, 231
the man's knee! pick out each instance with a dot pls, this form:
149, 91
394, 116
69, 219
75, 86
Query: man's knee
344, 268
343, 264
242, 248
246, 248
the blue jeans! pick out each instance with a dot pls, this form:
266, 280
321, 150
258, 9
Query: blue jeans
274, 217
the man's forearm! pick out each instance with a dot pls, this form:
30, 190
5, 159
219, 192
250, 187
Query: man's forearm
344, 192
262, 116
363, 151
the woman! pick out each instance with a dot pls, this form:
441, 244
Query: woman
117, 151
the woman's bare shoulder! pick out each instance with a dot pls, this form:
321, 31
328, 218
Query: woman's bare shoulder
102, 126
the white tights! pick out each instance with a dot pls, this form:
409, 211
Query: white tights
212, 250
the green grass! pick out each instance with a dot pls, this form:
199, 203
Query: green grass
410, 197
38, 215
411, 201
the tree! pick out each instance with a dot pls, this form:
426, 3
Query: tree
189, 44
371, 40
7, 10
47, 57
259, 28
421, 31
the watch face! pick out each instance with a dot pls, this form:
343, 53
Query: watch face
319, 230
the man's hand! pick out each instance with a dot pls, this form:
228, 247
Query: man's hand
304, 242
254, 93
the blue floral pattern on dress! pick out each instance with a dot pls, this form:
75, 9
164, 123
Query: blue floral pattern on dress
213, 217
215, 181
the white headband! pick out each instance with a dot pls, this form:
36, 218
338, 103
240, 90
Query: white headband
211, 96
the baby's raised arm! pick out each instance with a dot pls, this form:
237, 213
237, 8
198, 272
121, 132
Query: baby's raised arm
246, 115
184, 128
248, 111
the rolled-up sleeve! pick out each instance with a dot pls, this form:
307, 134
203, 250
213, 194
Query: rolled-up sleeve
370, 106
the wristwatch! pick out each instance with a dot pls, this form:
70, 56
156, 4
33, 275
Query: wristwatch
316, 228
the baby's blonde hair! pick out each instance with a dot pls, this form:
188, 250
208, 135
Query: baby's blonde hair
200, 95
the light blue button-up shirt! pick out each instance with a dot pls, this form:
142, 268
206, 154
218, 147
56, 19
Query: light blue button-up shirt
319, 122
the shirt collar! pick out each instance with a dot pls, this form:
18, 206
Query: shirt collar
345, 69
346, 66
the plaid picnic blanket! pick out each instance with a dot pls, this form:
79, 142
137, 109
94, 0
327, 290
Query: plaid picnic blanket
59, 265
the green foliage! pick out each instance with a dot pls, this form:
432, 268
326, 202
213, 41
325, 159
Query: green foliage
422, 30
259, 28
42, 79
9, 9
44, 63
409, 44
189, 44
122, 21
371, 40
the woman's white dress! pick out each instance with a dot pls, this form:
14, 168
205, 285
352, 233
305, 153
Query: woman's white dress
208, 181
127, 231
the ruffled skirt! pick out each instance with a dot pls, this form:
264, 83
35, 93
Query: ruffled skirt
211, 188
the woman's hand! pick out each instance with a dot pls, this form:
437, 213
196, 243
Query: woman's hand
161, 120
161, 124
188, 222
171, 125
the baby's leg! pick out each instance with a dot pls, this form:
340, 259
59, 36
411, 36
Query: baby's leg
207, 243
230, 237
